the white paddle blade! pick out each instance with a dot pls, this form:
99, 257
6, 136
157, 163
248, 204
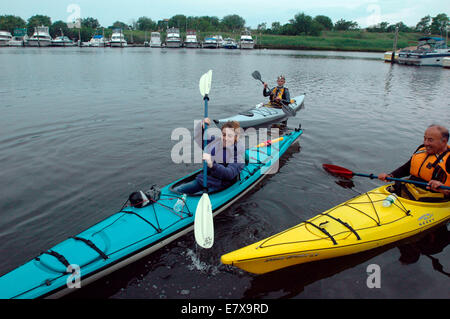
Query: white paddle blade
203, 223
205, 83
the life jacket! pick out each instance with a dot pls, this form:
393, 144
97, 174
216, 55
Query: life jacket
277, 92
428, 167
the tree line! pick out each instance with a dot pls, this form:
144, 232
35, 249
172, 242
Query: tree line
301, 24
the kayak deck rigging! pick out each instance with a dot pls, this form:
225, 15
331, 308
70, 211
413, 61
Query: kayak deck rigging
347, 225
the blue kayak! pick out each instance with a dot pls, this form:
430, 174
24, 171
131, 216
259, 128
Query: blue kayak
131, 233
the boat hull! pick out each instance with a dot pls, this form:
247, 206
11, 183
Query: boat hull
118, 44
247, 45
357, 225
422, 59
192, 45
40, 43
261, 115
173, 44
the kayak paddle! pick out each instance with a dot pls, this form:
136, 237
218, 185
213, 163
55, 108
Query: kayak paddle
287, 110
346, 173
203, 222
269, 142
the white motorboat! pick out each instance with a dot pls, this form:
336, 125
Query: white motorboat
229, 43
5, 38
247, 40
210, 43
40, 37
62, 41
97, 40
20, 38
430, 51
155, 40
191, 39
173, 39
118, 39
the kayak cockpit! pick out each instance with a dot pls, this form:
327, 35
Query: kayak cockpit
191, 177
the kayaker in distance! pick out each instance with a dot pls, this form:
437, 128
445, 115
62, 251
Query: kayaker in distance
430, 162
279, 94
224, 158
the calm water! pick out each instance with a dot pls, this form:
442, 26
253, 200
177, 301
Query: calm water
83, 128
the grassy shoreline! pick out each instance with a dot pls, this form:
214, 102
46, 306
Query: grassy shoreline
329, 40
340, 41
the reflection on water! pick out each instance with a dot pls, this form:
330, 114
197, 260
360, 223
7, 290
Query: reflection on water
83, 128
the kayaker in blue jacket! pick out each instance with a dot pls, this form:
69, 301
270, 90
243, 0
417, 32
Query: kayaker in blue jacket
224, 157
279, 94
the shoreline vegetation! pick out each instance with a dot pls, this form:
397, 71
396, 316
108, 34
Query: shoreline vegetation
303, 32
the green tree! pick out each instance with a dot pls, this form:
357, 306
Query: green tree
10, 22
57, 27
91, 23
276, 28
343, 25
288, 29
316, 28
145, 24
439, 24
178, 21
302, 23
423, 25
119, 25
232, 22
37, 21
401, 27
324, 21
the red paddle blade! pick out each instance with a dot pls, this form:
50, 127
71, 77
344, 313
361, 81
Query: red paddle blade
338, 171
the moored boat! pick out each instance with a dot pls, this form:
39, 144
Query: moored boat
133, 232
191, 39
97, 41
359, 224
62, 41
40, 37
118, 39
429, 52
20, 38
262, 114
173, 39
246, 41
210, 42
155, 40
229, 43
5, 38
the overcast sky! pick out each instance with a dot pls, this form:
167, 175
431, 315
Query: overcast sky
365, 12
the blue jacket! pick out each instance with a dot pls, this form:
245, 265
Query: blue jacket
227, 161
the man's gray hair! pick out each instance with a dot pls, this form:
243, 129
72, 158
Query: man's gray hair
442, 129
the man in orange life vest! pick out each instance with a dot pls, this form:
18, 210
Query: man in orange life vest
430, 162
278, 94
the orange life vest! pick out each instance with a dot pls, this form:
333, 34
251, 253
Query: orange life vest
277, 92
428, 167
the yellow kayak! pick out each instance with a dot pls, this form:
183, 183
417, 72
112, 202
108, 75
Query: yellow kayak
360, 224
